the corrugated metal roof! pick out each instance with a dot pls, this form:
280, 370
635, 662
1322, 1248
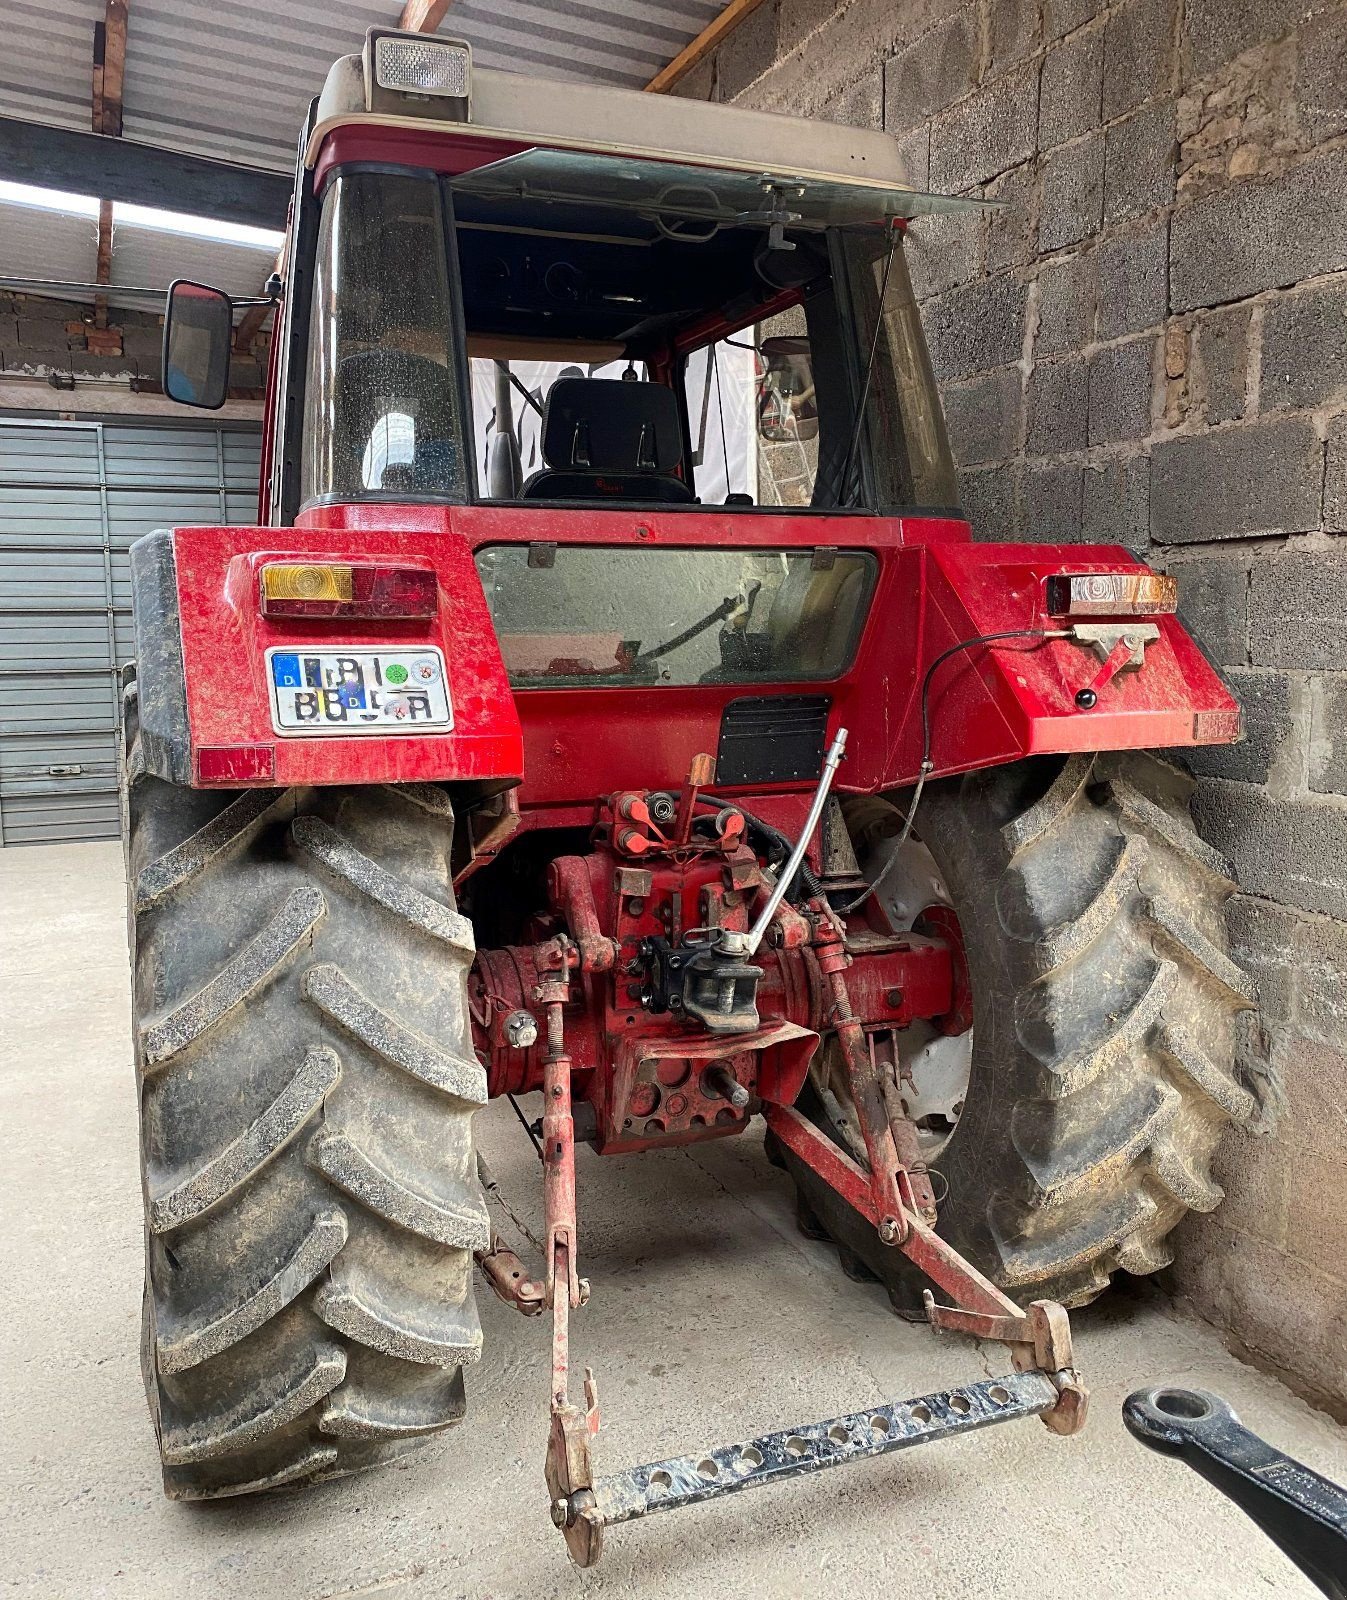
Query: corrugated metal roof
150, 258
46, 67
63, 247
35, 243
232, 78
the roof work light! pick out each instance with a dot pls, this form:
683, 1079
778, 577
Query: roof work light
411, 66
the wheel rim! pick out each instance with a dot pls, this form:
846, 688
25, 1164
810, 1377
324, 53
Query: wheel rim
935, 1065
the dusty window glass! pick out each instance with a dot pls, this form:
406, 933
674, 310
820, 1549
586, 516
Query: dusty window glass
603, 616
382, 407
787, 412
909, 454
720, 392
753, 416
509, 397
772, 410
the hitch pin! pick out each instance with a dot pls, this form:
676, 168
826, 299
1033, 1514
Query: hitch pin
744, 945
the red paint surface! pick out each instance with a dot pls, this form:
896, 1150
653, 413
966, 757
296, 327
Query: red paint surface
935, 587
225, 640
433, 150
990, 705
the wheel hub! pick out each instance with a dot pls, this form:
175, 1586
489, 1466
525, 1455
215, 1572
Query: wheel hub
935, 1058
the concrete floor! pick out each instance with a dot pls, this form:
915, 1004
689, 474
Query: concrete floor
711, 1319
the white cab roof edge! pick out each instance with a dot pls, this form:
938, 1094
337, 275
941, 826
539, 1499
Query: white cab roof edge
628, 121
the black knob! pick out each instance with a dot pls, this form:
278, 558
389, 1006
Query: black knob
1086, 699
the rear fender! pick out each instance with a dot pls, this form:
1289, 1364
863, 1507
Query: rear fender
202, 664
991, 704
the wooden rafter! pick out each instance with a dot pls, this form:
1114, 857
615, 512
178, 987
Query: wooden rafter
423, 16
715, 33
110, 69
249, 326
109, 77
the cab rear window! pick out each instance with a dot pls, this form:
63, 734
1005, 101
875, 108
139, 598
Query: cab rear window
587, 616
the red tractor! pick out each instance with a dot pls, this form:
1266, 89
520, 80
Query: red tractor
611, 701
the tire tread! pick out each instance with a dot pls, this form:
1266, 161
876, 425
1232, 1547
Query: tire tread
312, 1201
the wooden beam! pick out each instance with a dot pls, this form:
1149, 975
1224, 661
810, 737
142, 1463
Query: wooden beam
249, 326
142, 174
109, 75
714, 34
423, 16
103, 261
110, 71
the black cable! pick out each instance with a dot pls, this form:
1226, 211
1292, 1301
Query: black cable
968, 644
869, 369
774, 836
527, 393
528, 1126
926, 762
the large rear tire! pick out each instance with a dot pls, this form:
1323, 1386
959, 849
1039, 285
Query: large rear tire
307, 1084
1104, 1024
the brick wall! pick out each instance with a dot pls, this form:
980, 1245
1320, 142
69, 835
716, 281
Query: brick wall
1149, 345
40, 338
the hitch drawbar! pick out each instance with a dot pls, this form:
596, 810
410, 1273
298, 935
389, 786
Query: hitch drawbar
686, 1480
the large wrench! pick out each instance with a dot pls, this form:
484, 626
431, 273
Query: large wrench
1304, 1514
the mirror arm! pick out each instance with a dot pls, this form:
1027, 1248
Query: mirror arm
272, 291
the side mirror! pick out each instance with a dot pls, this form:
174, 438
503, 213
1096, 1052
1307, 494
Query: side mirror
787, 408
198, 334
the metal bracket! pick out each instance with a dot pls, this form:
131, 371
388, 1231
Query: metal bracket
1002, 1328
1105, 637
1120, 646
569, 1472
505, 1273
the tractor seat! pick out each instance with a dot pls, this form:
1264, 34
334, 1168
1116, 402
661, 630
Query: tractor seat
609, 439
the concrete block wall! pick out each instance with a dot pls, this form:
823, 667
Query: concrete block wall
1148, 345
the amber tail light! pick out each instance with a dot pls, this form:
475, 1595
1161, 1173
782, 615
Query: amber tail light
1112, 594
316, 589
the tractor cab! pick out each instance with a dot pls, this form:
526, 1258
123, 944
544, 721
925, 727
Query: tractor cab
449, 264
577, 325
486, 323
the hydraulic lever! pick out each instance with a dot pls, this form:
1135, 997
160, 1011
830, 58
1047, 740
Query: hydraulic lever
742, 945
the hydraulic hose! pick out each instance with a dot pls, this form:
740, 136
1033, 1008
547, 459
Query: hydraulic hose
775, 845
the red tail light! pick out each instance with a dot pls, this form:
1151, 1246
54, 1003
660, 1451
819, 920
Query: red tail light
345, 589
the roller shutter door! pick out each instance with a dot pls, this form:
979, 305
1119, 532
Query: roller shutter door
73, 497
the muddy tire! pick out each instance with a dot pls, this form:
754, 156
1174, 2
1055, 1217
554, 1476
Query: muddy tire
307, 1085
1104, 1028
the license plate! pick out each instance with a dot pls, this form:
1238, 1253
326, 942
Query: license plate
346, 690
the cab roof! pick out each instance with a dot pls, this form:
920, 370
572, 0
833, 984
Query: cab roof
514, 109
